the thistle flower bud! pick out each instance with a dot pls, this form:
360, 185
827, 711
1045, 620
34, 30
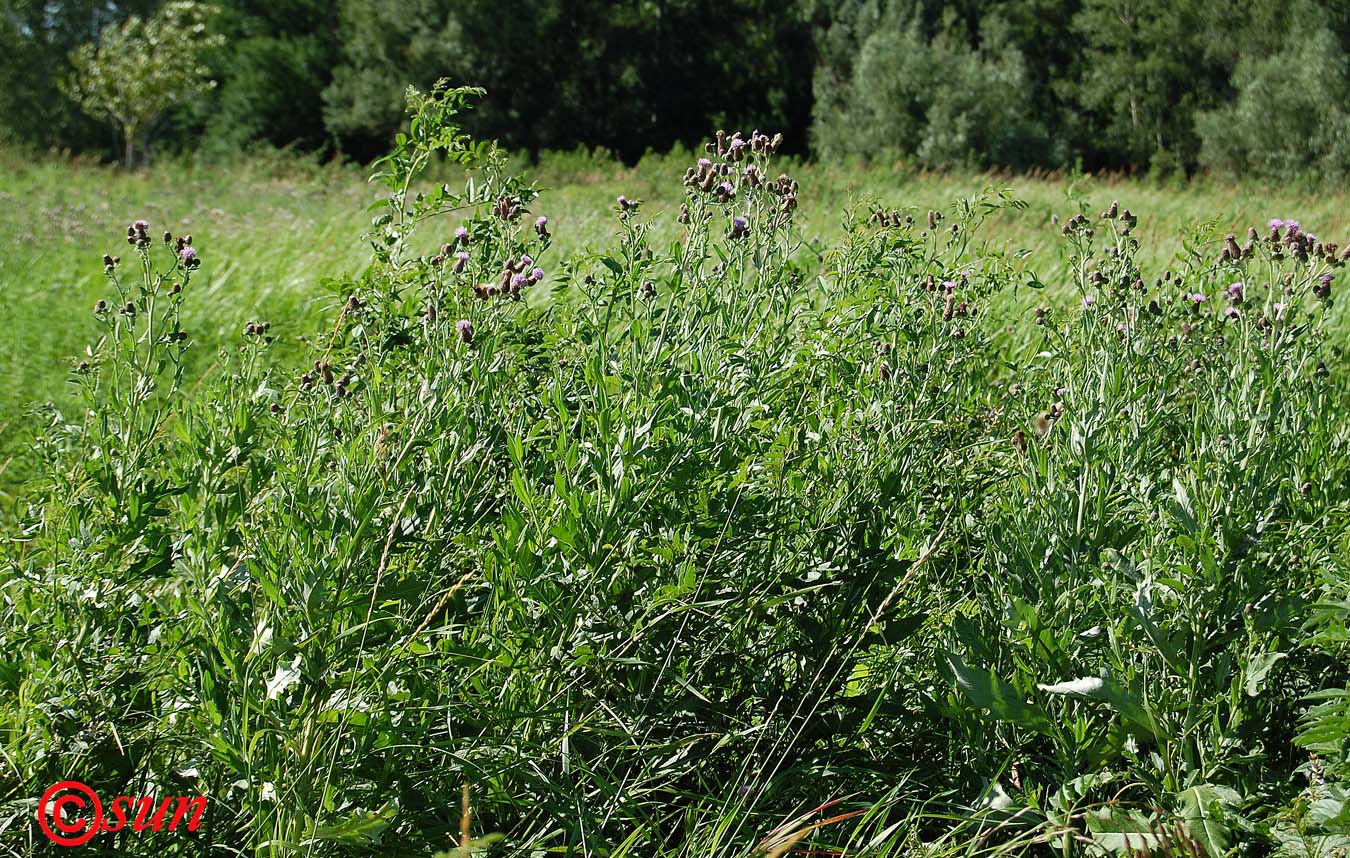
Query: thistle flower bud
100, 307
684, 213
648, 289
1114, 211
1322, 289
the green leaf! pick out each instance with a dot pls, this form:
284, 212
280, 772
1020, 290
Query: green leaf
1121, 831
1259, 668
1206, 809
1001, 698
360, 828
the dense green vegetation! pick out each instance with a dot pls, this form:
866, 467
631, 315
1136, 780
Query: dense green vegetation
706, 529
1167, 86
278, 229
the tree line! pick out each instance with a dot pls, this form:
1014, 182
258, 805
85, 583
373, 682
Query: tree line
1164, 86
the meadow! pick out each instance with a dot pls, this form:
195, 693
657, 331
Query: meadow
279, 228
724, 505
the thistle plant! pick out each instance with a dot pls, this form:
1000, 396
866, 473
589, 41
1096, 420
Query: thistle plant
725, 545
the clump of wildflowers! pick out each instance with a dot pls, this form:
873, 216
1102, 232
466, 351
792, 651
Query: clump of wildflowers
138, 234
507, 209
1322, 288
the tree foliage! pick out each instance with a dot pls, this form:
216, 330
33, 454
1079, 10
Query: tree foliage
1106, 84
142, 67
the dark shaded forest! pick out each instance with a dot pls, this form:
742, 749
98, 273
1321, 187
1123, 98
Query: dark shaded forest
1168, 87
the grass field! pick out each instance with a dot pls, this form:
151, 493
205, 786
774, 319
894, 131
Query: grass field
763, 524
277, 227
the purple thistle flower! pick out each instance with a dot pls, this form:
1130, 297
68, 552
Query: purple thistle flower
1293, 224
461, 261
704, 163
1235, 292
518, 280
1279, 310
462, 235
1199, 298
536, 275
141, 226
541, 226
188, 255
1276, 223
526, 261
1231, 313
1089, 300
465, 329
739, 226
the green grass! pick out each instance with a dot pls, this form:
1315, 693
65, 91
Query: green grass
728, 539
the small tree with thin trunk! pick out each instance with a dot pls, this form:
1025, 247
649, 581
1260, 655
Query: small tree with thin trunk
142, 67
